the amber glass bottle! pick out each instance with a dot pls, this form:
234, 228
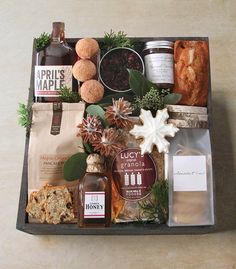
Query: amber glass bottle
53, 67
95, 195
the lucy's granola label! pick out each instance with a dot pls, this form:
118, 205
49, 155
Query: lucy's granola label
133, 173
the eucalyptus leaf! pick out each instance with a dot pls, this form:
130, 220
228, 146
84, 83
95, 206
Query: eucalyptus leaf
98, 111
24, 115
172, 98
138, 83
75, 166
88, 147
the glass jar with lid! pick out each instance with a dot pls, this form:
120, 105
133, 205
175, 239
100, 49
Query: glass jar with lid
159, 62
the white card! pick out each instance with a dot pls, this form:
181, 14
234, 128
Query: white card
189, 173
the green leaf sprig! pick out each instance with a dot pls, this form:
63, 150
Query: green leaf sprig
75, 167
24, 115
148, 95
156, 206
42, 41
152, 100
138, 83
66, 95
112, 40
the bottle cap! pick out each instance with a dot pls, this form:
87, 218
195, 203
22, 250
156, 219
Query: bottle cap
95, 163
58, 24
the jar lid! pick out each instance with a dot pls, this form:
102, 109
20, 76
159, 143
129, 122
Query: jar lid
159, 44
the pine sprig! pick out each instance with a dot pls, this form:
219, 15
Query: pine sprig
156, 206
24, 115
42, 41
66, 95
112, 40
152, 100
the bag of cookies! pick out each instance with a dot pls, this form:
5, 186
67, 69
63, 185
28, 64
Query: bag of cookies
189, 171
133, 175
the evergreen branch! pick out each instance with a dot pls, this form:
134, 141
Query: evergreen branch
66, 95
24, 115
42, 41
156, 206
112, 40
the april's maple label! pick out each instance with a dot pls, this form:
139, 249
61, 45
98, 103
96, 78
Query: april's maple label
49, 79
133, 173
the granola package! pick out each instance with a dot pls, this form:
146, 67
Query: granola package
133, 174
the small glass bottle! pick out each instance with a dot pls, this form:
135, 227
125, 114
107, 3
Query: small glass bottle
159, 63
53, 67
95, 195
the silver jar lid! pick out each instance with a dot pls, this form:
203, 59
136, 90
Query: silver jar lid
159, 44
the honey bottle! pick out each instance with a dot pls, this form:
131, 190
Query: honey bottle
95, 195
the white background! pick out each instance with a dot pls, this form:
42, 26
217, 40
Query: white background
20, 21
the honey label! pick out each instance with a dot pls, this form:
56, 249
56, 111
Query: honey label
133, 173
94, 205
49, 79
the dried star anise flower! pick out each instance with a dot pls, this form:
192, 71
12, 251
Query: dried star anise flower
107, 144
90, 129
118, 114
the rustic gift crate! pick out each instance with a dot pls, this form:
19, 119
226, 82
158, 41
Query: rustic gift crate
115, 229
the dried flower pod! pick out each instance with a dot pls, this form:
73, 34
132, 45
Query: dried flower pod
118, 114
90, 129
107, 144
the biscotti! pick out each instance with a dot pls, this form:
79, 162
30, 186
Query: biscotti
58, 205
52, 204
36, 205
191, 71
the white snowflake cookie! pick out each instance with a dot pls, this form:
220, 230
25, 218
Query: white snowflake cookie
154, 130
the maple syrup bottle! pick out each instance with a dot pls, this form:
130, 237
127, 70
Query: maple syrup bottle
95, 195
53, 67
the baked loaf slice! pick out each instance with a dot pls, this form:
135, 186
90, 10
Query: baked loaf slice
191, 71
52, 204
36, 205
58, 205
